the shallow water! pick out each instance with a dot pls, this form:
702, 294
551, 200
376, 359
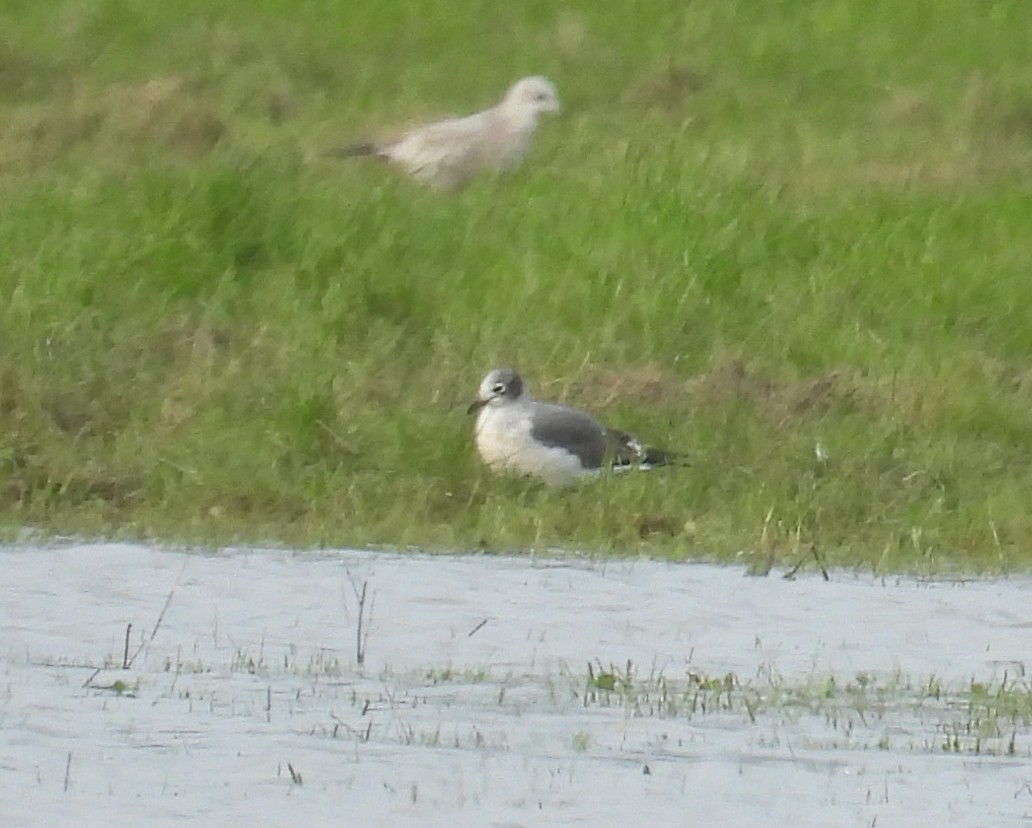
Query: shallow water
473, 705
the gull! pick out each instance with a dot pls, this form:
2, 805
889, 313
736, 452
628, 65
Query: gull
516, 433
448, 153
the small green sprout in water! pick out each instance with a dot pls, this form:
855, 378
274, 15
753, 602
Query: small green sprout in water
603, 681
611, 680
119, 688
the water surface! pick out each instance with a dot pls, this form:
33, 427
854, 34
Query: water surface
473, 705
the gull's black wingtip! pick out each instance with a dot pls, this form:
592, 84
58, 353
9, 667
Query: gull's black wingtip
631, 451
652, 457
354, 151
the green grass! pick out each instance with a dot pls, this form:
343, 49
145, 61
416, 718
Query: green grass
756, 228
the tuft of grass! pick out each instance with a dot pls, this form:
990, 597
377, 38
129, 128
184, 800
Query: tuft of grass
790, 241
982, 718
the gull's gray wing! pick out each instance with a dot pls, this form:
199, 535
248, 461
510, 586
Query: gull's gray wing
557, 426
447, 151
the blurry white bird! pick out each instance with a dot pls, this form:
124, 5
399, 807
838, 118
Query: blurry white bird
448, 153
559, 444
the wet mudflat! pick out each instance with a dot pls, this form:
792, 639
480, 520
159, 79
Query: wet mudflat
712, 698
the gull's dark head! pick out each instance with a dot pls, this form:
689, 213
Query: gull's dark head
500, 386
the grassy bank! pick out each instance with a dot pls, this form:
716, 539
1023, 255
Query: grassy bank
757, 229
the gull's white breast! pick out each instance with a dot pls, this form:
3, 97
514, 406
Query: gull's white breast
504, 441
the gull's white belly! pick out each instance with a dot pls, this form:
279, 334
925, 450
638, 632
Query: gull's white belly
504, 443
